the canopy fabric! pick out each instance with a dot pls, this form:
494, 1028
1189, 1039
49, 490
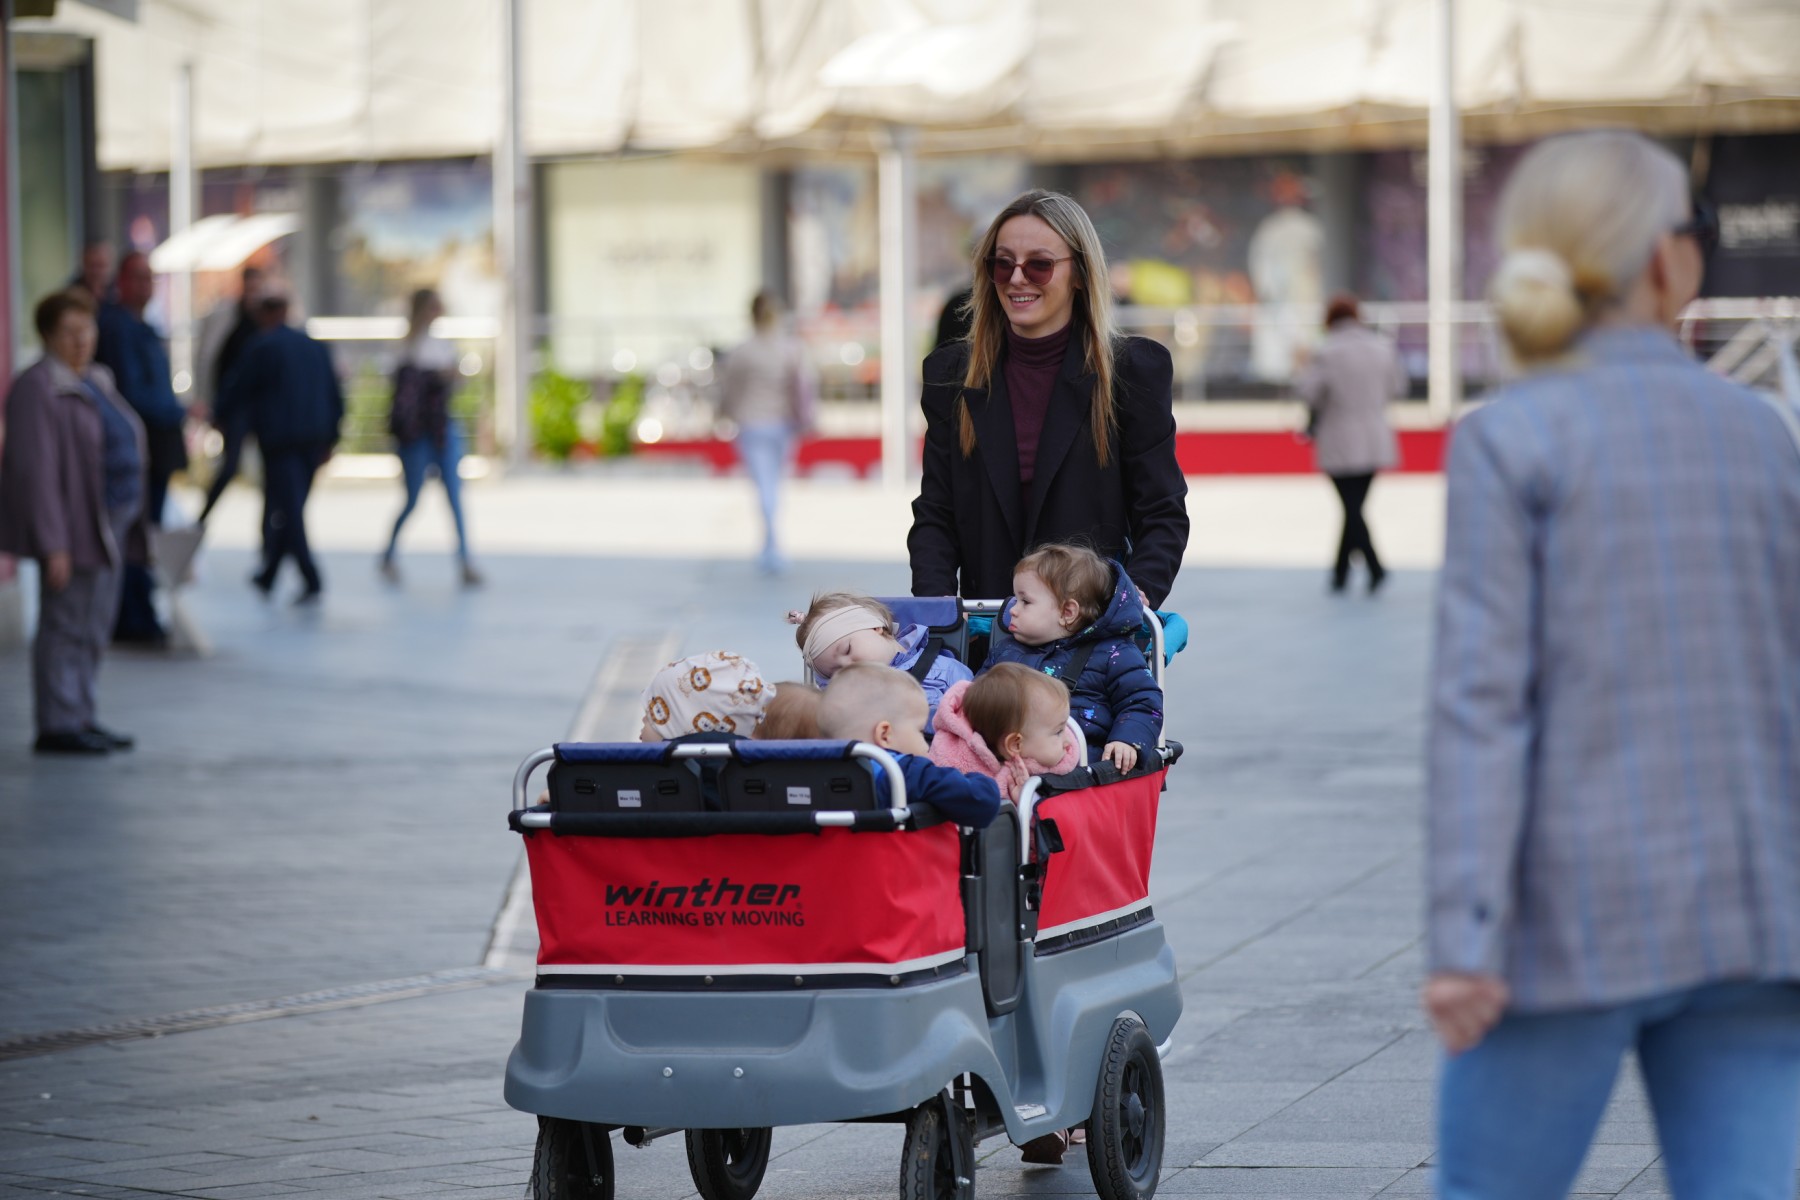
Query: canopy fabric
287, 81
220, 243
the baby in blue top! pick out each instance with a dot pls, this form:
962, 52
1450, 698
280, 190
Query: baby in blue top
841, 628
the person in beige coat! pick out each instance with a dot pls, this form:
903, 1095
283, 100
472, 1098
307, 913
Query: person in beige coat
72, 490
1346, 385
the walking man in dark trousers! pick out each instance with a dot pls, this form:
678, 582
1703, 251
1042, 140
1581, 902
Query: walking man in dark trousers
289, 389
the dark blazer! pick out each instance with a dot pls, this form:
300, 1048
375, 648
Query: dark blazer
287, 386
968, 531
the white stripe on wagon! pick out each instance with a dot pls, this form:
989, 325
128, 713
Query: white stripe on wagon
1096, 919
845, 968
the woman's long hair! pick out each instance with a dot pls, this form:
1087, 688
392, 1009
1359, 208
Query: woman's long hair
1092, 315
417, 324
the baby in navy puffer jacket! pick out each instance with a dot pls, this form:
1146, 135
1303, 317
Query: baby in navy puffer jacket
1074, 615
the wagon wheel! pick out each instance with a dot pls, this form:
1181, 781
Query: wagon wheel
1125, 1132
573, 1161
932, 1150
728, 1164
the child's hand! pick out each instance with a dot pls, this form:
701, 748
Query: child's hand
1122, 755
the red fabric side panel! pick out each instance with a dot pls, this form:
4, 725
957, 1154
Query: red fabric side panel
743, 900
1108, 834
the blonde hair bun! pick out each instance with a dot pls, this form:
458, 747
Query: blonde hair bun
1535, 300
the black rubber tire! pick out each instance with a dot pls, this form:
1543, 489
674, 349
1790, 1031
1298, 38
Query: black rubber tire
728, 1164
559, 1168
926, 1170
1125, 1131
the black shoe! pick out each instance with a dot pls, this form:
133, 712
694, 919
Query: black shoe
1376, 578
113, 738
79, 742
263, 582
154, 639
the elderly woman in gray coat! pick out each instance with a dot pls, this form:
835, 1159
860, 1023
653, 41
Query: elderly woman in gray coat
1346, 385
1614, 791
71, 497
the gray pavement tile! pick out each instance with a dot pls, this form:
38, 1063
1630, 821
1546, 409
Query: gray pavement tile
1251, 1151
1341, 1183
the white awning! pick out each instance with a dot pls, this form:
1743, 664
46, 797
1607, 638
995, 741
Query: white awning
289, 81
220, 243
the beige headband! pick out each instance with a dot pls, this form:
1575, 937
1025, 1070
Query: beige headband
839, 623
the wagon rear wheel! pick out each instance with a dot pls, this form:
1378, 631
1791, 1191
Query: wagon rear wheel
728, 1164
1125, 1132
573, 1161
928, 1160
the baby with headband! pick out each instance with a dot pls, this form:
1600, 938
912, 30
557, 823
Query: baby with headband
846, 627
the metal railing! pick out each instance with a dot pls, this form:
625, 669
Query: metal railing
1216, 349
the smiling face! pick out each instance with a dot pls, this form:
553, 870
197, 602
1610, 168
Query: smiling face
1035, 617
863, 646
1035, 310
1045, 726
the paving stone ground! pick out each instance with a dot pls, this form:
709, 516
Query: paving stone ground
320, 804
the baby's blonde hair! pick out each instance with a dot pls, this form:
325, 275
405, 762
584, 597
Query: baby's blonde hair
1578, 222
792, 712
829, 602
862, 696
998, 703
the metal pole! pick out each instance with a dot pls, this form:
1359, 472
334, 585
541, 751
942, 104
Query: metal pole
182, 193
897, 181
1444, 216
512, 236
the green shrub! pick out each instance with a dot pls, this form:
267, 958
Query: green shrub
622, 410
556, 402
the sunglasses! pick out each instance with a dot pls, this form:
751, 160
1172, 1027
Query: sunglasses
1037, 270
1703, 227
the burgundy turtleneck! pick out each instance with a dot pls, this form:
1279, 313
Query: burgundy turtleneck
1032, 365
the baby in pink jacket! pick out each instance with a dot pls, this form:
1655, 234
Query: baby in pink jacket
1011, 723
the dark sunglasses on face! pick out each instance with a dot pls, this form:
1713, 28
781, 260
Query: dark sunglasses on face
1037, 270
1703, 227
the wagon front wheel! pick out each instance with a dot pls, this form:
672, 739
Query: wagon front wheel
1125, 1132
573, 1161
928, 1162
728, 1164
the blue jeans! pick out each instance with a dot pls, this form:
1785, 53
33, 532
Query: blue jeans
417, 458
1721, 1064
764, 450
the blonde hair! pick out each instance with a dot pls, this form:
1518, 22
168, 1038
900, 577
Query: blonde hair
863, 695
998, 703
1072, 573
830, 602
1092, 316
1577, 224
792, 712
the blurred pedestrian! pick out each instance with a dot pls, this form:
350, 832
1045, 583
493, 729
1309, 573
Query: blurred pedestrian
767, 391
287, 385
1346, 383
71, 497
94, 275
225, 334
139, 362
1046, 424
425, 434
1614, 804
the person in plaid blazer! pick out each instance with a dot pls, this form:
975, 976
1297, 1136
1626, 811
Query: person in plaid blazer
1613, 789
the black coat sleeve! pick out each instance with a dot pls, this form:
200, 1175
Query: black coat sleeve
932, 543
1155, 489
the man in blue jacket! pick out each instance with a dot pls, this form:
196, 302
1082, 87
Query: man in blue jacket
133, 350
288, 388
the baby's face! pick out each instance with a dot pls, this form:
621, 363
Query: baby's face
1045, 728
647, 732
1035, 617
863, 646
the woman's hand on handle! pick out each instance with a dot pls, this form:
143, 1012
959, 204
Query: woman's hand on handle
1463, 1008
